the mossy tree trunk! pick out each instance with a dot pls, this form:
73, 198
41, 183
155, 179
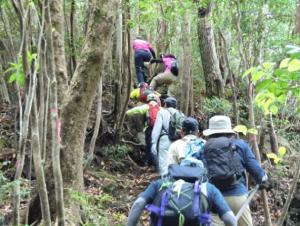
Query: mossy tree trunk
75, 112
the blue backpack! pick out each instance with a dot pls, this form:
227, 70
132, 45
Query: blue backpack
195, 149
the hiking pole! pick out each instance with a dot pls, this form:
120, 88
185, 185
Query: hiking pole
250, 196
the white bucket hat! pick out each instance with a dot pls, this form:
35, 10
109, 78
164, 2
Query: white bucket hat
218, 124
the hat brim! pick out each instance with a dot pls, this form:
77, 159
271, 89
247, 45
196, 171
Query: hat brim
209, 132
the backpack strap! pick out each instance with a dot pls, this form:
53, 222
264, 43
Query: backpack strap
203, 216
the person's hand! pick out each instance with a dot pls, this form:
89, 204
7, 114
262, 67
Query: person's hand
266, 183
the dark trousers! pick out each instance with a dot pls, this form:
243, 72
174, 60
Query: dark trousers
148, 133
140, 57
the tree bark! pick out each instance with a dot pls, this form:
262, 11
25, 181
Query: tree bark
297, 26
273, 136
254, 143
213, 79
58, 34
186, 77
83, 88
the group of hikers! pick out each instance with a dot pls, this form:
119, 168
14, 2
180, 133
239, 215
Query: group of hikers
197, 176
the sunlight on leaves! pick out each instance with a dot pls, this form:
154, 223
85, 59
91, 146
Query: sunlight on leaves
284, 63
240, 129
281, 152
294, 65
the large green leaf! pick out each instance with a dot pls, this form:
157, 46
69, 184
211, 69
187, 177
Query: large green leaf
294, 65
263, 84
284, 63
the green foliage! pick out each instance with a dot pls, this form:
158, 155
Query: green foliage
116, 155
16, 69
277, 158
216, 105
244, 130
94, 209
275, 84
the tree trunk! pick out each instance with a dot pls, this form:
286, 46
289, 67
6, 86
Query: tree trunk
297, 26
126, 75
58, 34
186, 77
254, 143
273, 136
83, 88
213, 79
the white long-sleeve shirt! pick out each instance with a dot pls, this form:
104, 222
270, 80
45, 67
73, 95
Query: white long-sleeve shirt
161, 125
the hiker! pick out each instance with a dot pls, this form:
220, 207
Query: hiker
227, 159
189, 146
149, 110
140, 94
183, 198
160, 139
170, 74
143, 52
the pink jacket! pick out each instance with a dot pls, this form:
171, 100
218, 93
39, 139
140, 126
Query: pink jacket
167, 62
141, 44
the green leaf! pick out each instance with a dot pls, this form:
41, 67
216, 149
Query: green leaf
273, 156
249, 71
257, 75
281, 151
268, 65
240, 129
12, 78
263, 84
284, 63
294, 65
253, 131
274, 109
21, 79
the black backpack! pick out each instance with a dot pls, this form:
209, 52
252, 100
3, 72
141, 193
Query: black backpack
223, 162
175, 125
188, 207
175, 67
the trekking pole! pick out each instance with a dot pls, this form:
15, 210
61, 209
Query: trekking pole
250, 196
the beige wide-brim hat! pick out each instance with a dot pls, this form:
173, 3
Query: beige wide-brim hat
218, 124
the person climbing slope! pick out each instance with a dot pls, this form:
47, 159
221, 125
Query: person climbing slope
226, 159
170, 74
183, 198
189, 146
160, 134
149, 110
143, 52
140, 94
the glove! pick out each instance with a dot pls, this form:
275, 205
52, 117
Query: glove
266, 183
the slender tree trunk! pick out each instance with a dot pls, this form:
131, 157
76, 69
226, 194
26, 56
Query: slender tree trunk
82, 92
213, 79
297, 26
97, 125
186, 77
118, 65
232, 81
72, 44
127, 71
58, 34
38, 166
273, 136
254, 143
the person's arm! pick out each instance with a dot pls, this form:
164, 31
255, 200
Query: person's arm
136, 211
144, 198
139, 110
158, 125
220, 206
152, 51
158, 61
250, 162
